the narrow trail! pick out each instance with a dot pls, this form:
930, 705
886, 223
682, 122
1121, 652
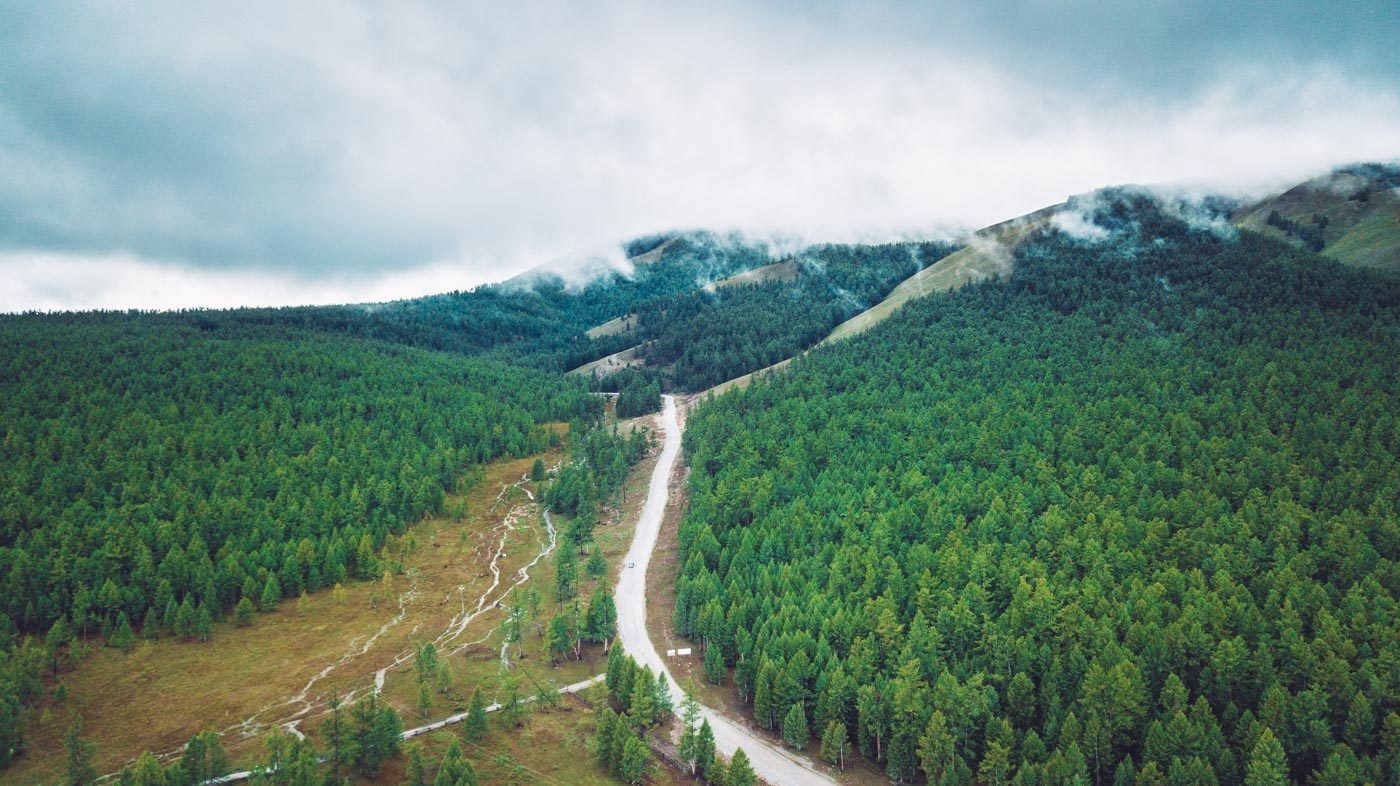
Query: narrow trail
772, 763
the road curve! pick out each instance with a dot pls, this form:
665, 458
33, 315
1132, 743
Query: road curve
771, 762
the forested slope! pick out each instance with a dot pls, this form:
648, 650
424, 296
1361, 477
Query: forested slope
539, 319
708, 337
1127, 517
156, 474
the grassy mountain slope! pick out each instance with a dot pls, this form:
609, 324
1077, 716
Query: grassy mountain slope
987, 254
1351, 215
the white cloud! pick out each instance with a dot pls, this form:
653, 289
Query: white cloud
61, 282
350, 154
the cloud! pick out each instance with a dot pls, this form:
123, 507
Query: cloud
326, 148
39, 281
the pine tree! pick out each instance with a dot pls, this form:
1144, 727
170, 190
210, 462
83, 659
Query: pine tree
795, 732
416, 773
763, 709
334, 730
203, 623
512, 705
124, 638
1126, 773
996, 765
475, 727
444, 677
601, 619
936, 748
425, 661
169, 618
566, 573
705, 748
243, 613
1020, 700
376, 734
834, 742
454, 766
559, 642
425, 699
79, 770
617, 663
642, 708
663, 705
203, 759
271, 594
690, 732
596, 566
58, 637
1359, 730
1267, 765
607, 730
636, 760
146, 772
617, 743
740, 770
185, 620
718, 774
714, 665
537, 471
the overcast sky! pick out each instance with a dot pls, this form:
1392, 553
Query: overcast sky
167, 155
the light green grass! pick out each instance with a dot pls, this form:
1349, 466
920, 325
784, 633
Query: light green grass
613, 327
632, 356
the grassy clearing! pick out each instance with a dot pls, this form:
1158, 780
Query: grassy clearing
613, 327
1360, 234
1374, 241
987, 254
240, 681
778, 271
614, 362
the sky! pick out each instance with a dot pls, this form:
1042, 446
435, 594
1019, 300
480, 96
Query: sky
171, 155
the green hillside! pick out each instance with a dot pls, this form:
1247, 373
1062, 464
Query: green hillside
1351, 215
1129, 516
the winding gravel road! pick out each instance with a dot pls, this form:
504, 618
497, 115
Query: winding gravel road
771, 762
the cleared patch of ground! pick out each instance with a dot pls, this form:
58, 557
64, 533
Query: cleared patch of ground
1358, 233
987, 254
613, 327
778, 271
1373, 242
617, 361
745, 380
654, 254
